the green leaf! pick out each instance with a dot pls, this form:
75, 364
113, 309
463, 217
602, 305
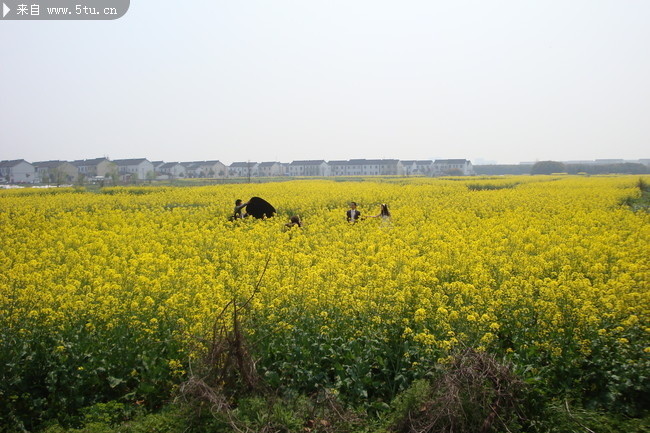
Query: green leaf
114, 381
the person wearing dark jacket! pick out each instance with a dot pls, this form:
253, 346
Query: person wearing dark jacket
353, 214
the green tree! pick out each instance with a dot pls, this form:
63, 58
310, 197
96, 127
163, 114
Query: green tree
453, 172
57, 176
548, 167
114, 175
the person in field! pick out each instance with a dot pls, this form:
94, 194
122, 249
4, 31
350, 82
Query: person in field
260, 208
238, 211
352, 215
384, 213
294, 221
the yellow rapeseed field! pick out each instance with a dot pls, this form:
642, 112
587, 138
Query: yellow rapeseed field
115, 289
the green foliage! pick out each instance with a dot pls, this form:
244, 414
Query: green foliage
598, 169
367, 370
491, 186
257, 413
410, 401
106, 413
111, 419
502, 169
641, 201
474, 393
559, 417
53, 373
548, 167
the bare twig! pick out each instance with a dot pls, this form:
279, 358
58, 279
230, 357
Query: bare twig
566, 403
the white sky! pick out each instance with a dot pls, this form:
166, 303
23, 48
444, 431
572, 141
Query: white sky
280, 80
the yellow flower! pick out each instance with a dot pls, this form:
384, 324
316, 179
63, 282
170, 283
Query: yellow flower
420, 315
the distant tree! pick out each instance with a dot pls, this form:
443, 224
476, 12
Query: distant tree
619, 168
548, 167
453, 172
114, 175
629, 168
502, 169
57, 176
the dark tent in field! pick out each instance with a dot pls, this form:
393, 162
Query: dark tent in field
260, 208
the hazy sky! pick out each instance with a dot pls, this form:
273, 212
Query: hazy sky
261, 80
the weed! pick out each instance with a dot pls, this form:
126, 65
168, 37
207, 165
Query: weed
474, 393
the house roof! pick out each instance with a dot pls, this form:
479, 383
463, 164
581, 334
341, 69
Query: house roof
170, 164
310, 162
135, 161
243, 164
203, 163
268, 163
451, 161
191, 165
88, 162
49, 164
12, 163
373, 161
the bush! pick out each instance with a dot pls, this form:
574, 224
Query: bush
474, 393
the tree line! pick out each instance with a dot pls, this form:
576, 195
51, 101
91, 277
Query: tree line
550, 167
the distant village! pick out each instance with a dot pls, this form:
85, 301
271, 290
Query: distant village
132, 170
141, 169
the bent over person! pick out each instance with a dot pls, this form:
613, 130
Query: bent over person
238, 209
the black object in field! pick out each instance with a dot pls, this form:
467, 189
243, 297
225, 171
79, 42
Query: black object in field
260, 208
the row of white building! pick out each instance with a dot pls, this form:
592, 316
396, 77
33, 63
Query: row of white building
21, 171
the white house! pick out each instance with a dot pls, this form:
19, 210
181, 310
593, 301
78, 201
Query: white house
453, 167
244, 169
215, 168
17, 171
270, 168
192, 169
98, 167
309, 168
57, 172
383, 167
209, 169
373, 167
418, 167
172, 169
338, 167
138, 169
